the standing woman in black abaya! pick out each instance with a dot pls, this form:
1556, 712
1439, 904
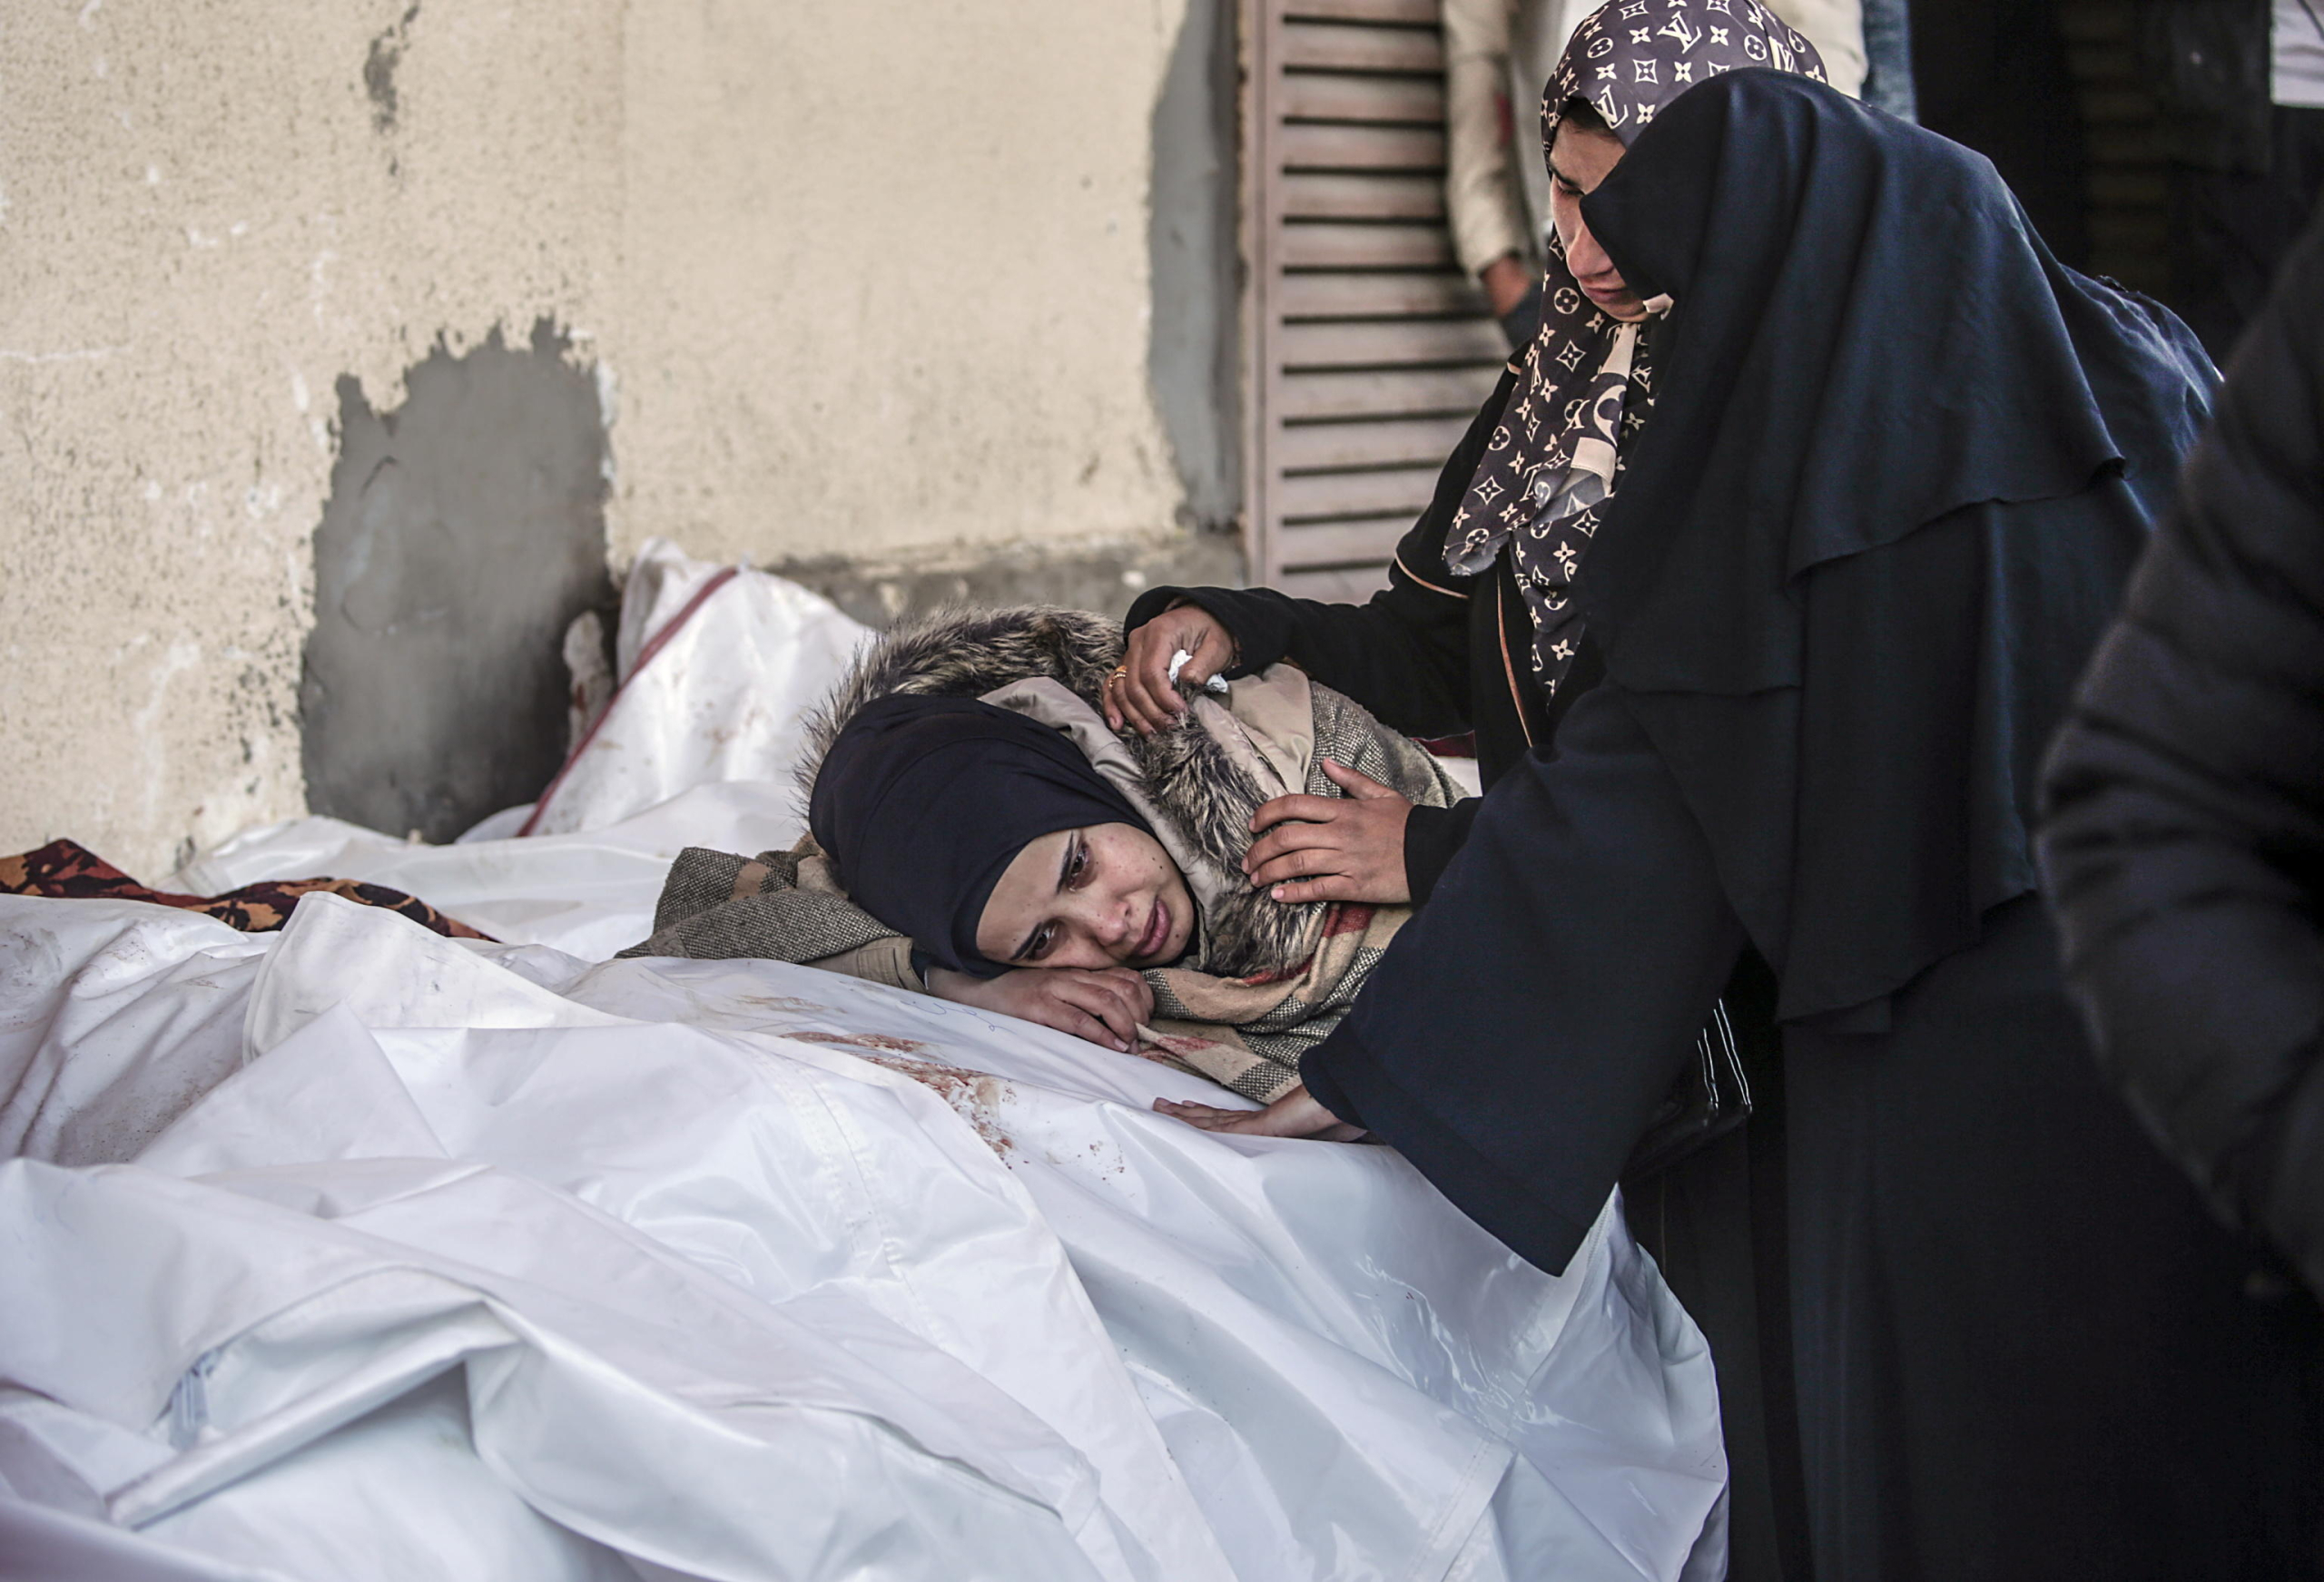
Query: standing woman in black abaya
1899, 463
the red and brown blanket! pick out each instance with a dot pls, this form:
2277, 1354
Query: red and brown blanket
68, 870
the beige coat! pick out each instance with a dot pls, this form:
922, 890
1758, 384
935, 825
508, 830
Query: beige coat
1497, 56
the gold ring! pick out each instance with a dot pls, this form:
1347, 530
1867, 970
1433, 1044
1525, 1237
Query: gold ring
1118, 674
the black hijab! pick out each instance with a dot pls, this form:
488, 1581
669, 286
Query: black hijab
1869, 340
923, 803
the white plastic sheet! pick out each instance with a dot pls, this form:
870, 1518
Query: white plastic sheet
409, 1293
736, 660
356, 1253
590, 892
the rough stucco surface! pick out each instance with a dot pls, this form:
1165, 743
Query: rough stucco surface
850, 280
896, 257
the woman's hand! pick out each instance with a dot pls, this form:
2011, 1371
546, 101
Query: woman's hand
1104, 1007
1295, 1114
1332, 848
1140, 693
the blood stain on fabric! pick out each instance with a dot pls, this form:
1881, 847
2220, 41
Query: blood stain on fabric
973, 1095
785, 1002
888, 1041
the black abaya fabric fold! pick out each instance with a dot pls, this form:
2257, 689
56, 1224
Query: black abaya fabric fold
1835, 759
1869, 336
1900, 464
1590, 937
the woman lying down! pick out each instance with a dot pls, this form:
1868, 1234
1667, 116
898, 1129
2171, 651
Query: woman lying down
976, 832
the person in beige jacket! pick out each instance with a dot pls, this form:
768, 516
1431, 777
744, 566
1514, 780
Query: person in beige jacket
1497, 56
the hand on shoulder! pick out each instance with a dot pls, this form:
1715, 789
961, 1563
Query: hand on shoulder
1332, 848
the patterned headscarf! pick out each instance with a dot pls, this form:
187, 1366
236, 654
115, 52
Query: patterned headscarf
1586, 382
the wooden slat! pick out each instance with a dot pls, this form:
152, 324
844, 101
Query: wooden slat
1380, 296
2132, 105
2111, 62
1384, 395
1340, 96
2098, 23
1333, 197
1344, 544
1411, 13
2129, 187
2129, 230
1372, 443
1359, 148
1334, 497
1364, 247
1464, 342
2116, 146
1339, 47
1351, 586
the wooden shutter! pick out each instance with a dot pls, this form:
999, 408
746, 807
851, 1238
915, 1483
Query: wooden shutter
1368, 349
2126, 158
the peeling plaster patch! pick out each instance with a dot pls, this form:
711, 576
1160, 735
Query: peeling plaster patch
609, 413
609, 395
464, 532
380, 69
1193, 354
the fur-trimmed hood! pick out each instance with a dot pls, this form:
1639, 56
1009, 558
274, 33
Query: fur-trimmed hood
1187, 772
956, 652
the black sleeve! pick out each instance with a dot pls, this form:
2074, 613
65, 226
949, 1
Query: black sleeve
2183, 841
1431, 835
1526, 1024
1405, 656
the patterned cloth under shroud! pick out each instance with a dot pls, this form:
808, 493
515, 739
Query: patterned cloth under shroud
68, 870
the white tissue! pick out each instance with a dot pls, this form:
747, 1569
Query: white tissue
1217, 683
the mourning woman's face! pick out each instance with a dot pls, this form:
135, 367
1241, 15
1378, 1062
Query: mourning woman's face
1103, 896
1579, 160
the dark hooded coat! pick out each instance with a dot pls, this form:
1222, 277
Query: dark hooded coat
2184, 841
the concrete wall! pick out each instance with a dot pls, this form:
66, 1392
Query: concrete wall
862, 290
